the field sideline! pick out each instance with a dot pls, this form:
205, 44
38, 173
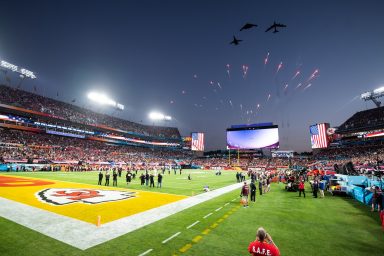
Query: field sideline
330, 226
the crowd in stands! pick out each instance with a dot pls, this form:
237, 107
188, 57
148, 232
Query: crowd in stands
73, 113
21, 145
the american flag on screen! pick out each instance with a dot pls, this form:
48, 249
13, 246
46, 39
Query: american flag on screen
319, 138
197, 141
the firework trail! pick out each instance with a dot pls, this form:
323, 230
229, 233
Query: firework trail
314, 75
228, 70
279, 67
306, 87
296, 74
245, 71
266, 59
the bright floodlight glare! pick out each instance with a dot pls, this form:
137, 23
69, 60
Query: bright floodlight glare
379, 90
156, 116
159, 116
104, 100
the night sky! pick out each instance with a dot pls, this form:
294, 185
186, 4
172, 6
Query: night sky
163, 55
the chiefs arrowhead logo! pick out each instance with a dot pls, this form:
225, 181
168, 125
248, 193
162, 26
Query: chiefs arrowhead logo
62, 196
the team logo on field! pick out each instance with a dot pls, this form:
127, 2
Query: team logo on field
62, 196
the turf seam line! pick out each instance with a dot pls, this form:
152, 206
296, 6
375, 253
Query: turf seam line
146, 252
206, 216
171, 237
193, 224
218, 209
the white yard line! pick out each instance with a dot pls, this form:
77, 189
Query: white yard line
226, 204
146, 252
84, 235
171, 237
206, 216
218, 209
193, 224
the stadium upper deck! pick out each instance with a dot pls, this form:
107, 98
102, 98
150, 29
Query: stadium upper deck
15, 100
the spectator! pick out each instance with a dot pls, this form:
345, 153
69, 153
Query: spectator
263, 245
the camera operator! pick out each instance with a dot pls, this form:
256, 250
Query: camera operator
263, 245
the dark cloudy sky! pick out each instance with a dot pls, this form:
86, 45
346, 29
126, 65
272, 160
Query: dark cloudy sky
146, 53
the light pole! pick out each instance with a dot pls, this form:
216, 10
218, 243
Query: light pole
157, 116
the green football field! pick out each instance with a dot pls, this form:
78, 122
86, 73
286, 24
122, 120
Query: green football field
329, 226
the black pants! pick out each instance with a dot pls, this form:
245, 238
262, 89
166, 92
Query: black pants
315, 193
253, 195
301, 190
99, 182
152, 184
106, 182
114, 183
261, 191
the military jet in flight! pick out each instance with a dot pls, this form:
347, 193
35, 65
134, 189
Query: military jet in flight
235, 41
275, 26
248, 26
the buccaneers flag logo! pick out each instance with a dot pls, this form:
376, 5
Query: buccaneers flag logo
62, 196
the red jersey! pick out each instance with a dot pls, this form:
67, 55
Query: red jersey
245, 190
257, 248
301, 185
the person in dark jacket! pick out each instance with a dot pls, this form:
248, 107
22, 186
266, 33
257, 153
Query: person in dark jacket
152, 181
159, 180
253, 191
100, 178
114, 176
261, 186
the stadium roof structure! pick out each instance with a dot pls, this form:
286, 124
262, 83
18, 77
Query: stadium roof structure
373, 96
366, 120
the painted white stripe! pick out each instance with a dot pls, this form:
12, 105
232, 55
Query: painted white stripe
84, 235
171, 237
146, 252
218, 209
193, 224
233, 199
206, 216
226, 204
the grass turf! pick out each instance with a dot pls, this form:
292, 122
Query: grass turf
329, 226
172, 183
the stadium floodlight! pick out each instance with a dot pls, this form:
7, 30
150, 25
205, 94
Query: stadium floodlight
22, 71
373, 95
103, 99
159, 116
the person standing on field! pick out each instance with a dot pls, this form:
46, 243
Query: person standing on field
107, 175
301, 188
114, 176
253, 191
244, 194
100, 178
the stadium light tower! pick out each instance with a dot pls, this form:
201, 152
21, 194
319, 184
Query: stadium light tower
373, 96
103, 99
159, 116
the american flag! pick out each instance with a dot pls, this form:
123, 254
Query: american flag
319, 137
197, 141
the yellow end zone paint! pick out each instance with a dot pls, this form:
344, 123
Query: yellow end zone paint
196, 239
185, 248
81, 201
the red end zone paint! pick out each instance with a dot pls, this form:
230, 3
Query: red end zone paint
6, 181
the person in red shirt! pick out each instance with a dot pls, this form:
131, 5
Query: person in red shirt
244, 194
263, 245
301, 188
